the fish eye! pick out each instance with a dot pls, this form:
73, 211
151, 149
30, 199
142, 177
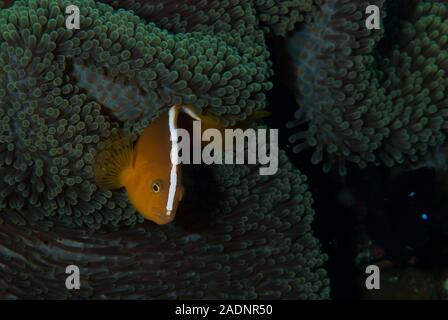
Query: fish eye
156, 186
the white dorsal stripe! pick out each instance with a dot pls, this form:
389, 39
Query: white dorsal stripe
172, 124
172, 117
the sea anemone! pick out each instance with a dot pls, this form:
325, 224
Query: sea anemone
364, 105
237, 235
244, 17
64, 91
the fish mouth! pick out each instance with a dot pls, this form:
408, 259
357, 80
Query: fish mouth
162, 216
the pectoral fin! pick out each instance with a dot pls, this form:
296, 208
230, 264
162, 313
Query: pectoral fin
112, 160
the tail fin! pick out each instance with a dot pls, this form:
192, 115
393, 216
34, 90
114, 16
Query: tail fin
112, 160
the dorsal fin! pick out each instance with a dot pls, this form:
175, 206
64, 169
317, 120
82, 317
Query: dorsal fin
257, 115
113, 160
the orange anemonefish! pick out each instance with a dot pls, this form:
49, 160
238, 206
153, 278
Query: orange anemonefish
153, 180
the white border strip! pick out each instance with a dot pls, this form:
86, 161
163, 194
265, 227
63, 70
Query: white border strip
174, 158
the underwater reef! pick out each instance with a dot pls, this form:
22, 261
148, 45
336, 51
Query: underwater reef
364, 105
63, 92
